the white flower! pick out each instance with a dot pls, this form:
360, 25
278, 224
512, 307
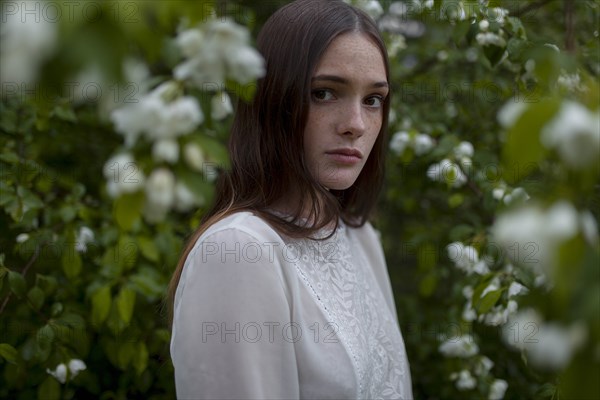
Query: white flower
245, 64
521, 328
491, 287
498, 193
589, 227
158, 115
85, 236
165, 150
218, 48
221, 106
489, 38
517, 195
399, 142
397, 43
516, 289
483, 367
484, 24
22, 238
447, 171
185, 200
76, 366
465, 380
463, 346
190, 42
497, 316
554, 345
552, 46
498, 389
194, 157
160, 188
26, 41
469, 313
575, 134
464, 149
123, 175
498, 14
60, 373
570, 82
510, 113
422, 144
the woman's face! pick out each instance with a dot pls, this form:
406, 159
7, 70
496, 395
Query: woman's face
346, 110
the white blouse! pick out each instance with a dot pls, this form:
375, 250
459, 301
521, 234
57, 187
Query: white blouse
260, 316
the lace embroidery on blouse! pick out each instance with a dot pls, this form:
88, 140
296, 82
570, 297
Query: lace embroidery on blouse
345, 288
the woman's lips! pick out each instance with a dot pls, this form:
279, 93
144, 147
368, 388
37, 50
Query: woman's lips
345, 156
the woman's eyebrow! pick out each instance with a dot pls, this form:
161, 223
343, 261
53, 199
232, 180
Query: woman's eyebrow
344, 81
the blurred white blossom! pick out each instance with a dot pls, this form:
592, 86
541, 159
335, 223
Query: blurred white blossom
165, 150
85, 236
536, 233
464, 149
484, 24
422, 144
464, 380
123, 175
61, 371
490, 38
22, 237
217, 49
26, 41
574, 133
510, 112
498, 389
400, 141
221, 106
516, 196
160, 194
159, 115
547, 345
194, 157
463, 346
466, 258
483, 366
447, 171
185, 199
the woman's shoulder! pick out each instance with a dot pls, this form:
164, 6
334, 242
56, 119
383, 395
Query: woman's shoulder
245, 223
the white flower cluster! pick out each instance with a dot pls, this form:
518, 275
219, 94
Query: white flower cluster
123, 175
539, 232
510, 112
447, 171
164, 192
63, 372
463, 346
570, 82
466, 259
420, 143
490, 38
497, 389
548, 345
26, 40
574, 133
161, 114
215, 50
85, 236
464, 380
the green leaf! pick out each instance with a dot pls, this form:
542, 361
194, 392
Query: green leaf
36, 297
9, 353
125, 304
16, 283
488, 301
140, 358
71, 261
101, 302
523, 149
148, 248
428, 284
127, 209
125, 353
44, 338
456, 200
49, 389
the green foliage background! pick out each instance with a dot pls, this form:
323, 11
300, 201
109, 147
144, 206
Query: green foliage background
105, 306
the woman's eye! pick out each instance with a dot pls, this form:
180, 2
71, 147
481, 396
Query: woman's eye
322, 94
374, 101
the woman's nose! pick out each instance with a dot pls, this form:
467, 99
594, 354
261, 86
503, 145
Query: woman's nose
352, 119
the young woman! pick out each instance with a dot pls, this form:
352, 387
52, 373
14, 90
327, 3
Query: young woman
283, 292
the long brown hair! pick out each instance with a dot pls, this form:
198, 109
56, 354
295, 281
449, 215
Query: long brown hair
266, 138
